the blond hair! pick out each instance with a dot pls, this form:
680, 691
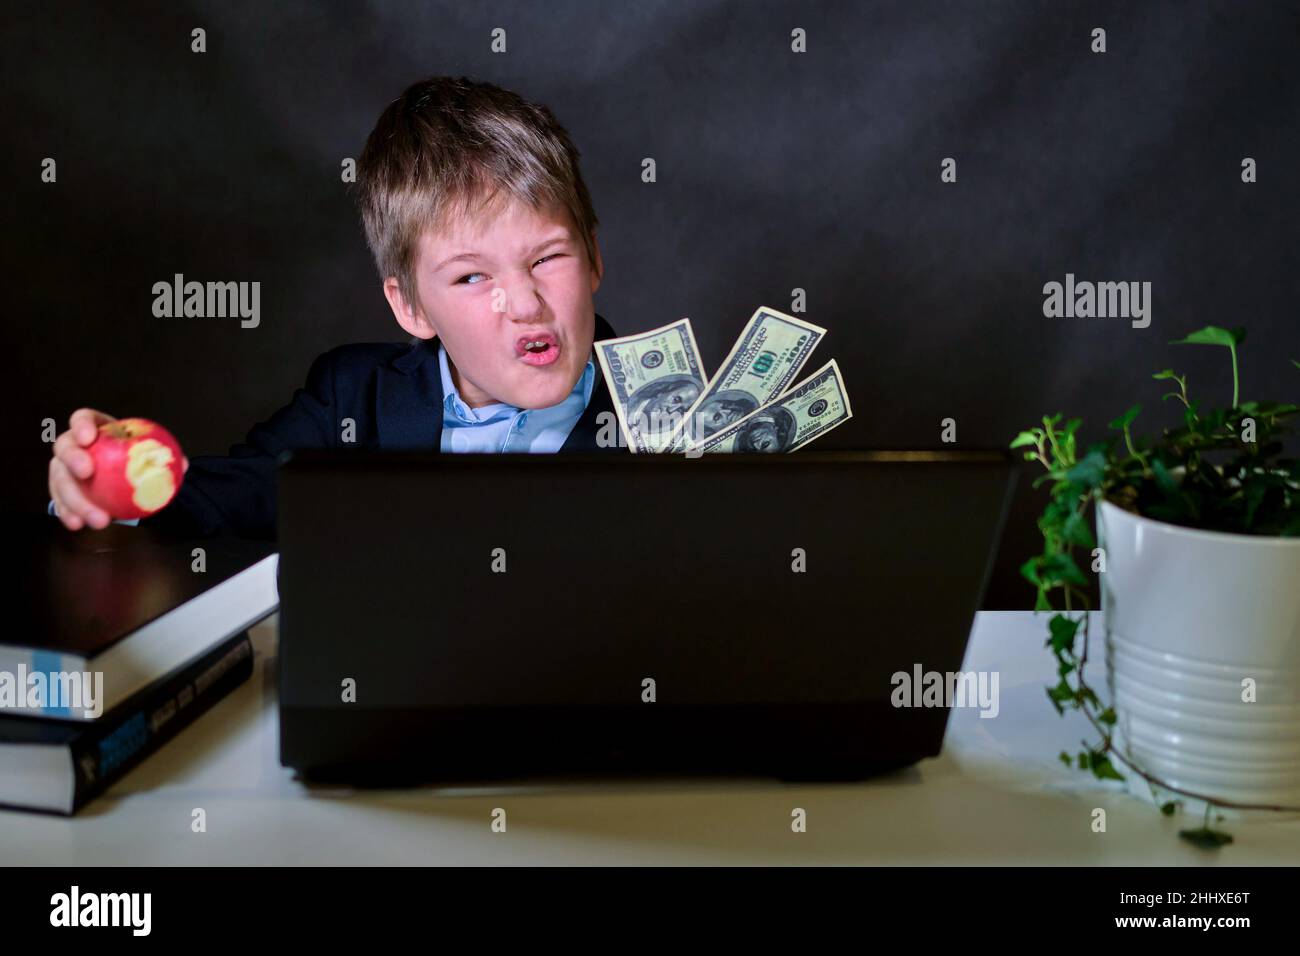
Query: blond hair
450, 147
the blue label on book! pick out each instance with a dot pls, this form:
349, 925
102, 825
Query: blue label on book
118, 746
50, 664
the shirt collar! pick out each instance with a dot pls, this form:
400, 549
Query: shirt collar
453, 403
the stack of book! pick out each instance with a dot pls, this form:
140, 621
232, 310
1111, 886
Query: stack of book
119, 639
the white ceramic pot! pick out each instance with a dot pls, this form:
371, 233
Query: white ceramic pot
1189, 616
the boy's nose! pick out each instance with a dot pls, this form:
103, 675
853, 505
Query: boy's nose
523, 303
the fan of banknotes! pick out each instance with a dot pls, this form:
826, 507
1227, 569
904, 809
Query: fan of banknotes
666, 403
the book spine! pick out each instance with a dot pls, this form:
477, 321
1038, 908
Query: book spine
139, 726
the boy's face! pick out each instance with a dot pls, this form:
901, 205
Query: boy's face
486, 286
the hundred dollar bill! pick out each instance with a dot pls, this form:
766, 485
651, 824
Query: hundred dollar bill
654, 378
762, 364
805, 412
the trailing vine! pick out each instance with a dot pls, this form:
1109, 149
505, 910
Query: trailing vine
1222, 469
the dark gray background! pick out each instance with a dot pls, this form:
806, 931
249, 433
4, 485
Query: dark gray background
775, 171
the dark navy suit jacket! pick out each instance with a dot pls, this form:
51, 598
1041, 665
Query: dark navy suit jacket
392, 391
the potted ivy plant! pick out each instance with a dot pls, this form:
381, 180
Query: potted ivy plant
1197, 553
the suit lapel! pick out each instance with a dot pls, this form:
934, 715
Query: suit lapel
585, 432
408, 406
599, 411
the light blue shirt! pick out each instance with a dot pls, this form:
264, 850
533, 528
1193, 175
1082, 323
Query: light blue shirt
499, 427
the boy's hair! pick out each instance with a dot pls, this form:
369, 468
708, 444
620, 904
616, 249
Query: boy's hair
450, 147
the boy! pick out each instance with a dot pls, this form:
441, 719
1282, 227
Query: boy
484, 235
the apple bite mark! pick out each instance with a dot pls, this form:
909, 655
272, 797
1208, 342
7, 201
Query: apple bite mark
149, 473
138, 468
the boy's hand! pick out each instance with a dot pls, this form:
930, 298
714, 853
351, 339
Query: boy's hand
72, 465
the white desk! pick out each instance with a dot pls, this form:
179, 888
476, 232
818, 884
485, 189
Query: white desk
997, 795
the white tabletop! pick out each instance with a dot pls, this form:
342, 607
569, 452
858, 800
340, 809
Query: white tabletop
997, 795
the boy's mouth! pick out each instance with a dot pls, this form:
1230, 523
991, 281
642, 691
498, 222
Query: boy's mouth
541, 348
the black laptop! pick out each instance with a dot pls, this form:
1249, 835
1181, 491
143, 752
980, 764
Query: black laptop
455, 617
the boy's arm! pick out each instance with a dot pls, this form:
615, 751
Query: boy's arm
236, 493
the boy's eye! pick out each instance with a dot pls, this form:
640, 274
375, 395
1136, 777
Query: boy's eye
465, 278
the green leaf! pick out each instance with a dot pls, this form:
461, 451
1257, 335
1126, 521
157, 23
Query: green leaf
1255, 492
1103, 769
1063, 631
1075, 530
1167, 373
1126, 419
1271, 408
1169, 808
1107, 716
1065, 759
1213, 335
1029, 571
1164, 480
1296, 362
1205, 838
1090, 471
1060, 567
1061, 694
1024, 438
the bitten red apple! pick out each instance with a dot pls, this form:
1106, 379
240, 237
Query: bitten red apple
138, 468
